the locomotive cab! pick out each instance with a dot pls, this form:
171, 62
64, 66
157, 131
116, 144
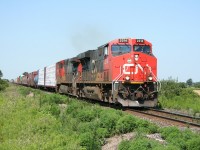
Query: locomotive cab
133, 72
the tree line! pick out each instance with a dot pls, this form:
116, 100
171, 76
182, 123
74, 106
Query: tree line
190, 83
3, 83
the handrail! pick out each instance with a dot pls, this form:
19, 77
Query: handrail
116, 79
158, 86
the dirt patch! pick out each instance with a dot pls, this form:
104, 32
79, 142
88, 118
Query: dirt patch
197, 91
31, 94
113, 142
156, 137
62, 108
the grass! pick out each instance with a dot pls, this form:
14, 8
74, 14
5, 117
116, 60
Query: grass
177, 96
175, 140
24, 125
52, 121
3, 84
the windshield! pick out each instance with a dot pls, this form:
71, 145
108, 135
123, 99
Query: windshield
142, 48
120, 49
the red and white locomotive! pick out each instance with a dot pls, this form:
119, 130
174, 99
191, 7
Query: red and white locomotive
123, 71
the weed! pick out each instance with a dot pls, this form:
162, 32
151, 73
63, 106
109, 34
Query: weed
37, 123
175, 95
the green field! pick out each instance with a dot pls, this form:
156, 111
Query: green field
180, 97
32, 119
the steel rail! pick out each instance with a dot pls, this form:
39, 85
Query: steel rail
196, 123
174, 113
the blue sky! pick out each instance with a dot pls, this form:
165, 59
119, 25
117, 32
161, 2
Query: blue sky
35, 33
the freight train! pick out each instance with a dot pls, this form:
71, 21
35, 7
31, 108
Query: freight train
122, 71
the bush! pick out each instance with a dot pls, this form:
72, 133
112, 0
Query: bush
3, 85
24, 91
124, 145
126, 124
89, 141
53, 99
181, 139
171, 88
102, 133
141, 144
197, 85
108, 119
54, 109
193, 144
177, 96
94, 129
143, 126
86, 115
144, 144
73, 108
86, 127
165, 132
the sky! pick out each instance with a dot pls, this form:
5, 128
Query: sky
35, 33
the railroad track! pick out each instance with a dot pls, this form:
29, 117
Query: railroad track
181, 119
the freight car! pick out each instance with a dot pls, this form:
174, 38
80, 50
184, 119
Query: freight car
123, 71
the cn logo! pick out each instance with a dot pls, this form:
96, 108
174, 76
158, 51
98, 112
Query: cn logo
126, 68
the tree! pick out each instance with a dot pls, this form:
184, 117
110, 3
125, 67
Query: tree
189, 82
1, 74
196, 84
25, 73
3, 83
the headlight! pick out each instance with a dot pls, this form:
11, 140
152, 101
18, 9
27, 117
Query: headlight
136, 57
150, 78
129, 61
127, 78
